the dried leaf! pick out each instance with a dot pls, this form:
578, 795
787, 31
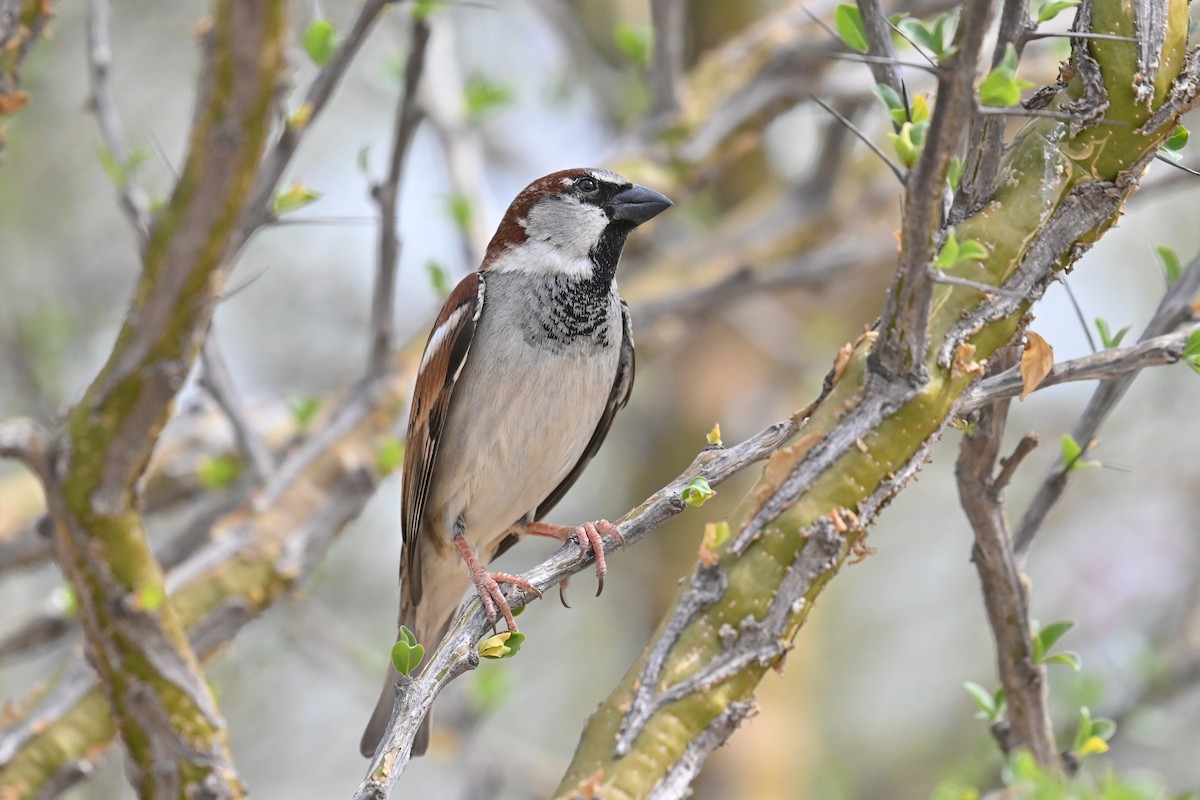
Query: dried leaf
1036, 362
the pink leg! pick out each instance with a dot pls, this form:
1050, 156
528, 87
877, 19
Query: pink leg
589, 536
488, 585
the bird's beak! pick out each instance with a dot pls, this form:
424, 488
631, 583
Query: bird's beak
638, 204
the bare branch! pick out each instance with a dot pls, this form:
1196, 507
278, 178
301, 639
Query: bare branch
1173, 310
879, 42
133, 200
216, 378
457, 652
22, 439
1004, 588
666, 77
1105, 365
850, 126
387, 195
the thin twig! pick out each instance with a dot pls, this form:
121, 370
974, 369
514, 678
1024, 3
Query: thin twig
102, 103
216, 378
1033, 36
1105, 365
1174, 309
1078, 312
387, 195
1177, 165
879, 42
986, 288
1004, 591
667, 75
920, 51
876, 60
25, 440
893, 166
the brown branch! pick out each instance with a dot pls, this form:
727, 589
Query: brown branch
133, 200
1005, 592
903, 340
174, 734
387, 195
1174, 309
22, 24
218, 381
879, 42
667, 76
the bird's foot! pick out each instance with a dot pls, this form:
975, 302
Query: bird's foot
590, 537
487, 584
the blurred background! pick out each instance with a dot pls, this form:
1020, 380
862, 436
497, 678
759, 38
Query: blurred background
779, 250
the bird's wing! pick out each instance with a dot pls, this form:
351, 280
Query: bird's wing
617, 398
442, 363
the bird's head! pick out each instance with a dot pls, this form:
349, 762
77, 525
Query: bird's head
572, 222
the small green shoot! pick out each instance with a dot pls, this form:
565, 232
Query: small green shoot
636, 43
459, 206
407, 652
1191, 351
954, 253
1002, 88
320, 41
1092, 735
298, 196
697, 492
991, 704
1052, 8
1046, 638
1107, 337
954, 172
849, 23
389, 455
934, 36
1172, 266
1072, 455
482, 96
439, 278
217, 472
908, 143
304, 409
503, 645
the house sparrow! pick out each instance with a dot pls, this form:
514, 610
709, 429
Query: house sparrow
525, 368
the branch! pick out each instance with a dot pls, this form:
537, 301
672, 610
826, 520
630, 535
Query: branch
904, 329
217, 380
102, 103
456, 654
1005, 592
666, 77
22, 24
22, 439
1173, 310
174, 734
387, 195
879, 42
1106, 365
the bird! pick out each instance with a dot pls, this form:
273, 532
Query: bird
524, 369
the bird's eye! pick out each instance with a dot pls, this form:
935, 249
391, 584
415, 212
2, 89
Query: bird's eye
587, 185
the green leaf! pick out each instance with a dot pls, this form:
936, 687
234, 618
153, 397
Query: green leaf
1177, 140
217, 472
713, 437
502, 645
296, 197
971, 250
407, 657
908, 143
482, 96
1047, 637
304, 409
364, 160
1072, 455
1068, 657
407, 636
890, 98
1106, 336
438, 277
697, 492
983, 698
636, 42
1002, 88
1191, 351
1104, 728
459, 206
917, 31
849, 23
1052, 8
1084, 731
954, 172
389, 456
1172, 266
948, 256
320, 41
